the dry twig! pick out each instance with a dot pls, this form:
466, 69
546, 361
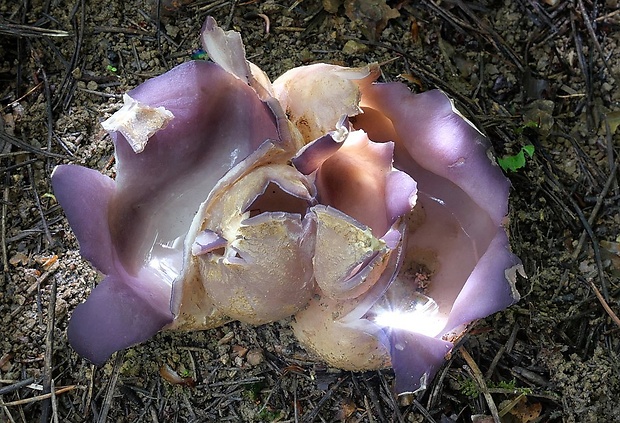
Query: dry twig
38, 397
608, 309
482, 385
107, 401
48, 381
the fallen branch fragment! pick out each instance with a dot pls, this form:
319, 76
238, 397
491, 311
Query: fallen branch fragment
39, 397
608, 309
482, 385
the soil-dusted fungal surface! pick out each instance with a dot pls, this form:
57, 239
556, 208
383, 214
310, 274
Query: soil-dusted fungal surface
538, 78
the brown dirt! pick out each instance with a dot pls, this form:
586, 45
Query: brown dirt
524, 71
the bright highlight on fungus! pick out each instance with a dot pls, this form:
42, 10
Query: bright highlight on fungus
372, 215
419, 314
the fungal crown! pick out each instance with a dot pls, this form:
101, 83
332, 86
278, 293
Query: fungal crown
372, 215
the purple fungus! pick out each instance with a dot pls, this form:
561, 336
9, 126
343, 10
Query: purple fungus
457, 251
456, 266
133, 229
372, 215
114, 315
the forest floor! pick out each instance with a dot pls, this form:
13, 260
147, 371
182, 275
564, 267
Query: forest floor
524, 71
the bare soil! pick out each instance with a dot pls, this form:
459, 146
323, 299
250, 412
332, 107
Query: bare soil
525, 71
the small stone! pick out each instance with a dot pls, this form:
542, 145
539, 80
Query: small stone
92, 85
306, 56
226, 338
271, 6
19, 299
541, 113
225, 359
172, 30
491, 69
255, 356
353, 48
332, 6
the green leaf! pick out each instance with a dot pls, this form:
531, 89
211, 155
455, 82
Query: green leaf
512, 163
517, 161
529, 149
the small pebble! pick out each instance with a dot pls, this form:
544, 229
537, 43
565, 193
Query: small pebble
255, 357
353, 47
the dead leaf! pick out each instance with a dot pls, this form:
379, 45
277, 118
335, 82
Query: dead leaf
19, 258
525, 412
372, 16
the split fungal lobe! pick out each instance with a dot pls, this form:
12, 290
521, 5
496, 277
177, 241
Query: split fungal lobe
137, 122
